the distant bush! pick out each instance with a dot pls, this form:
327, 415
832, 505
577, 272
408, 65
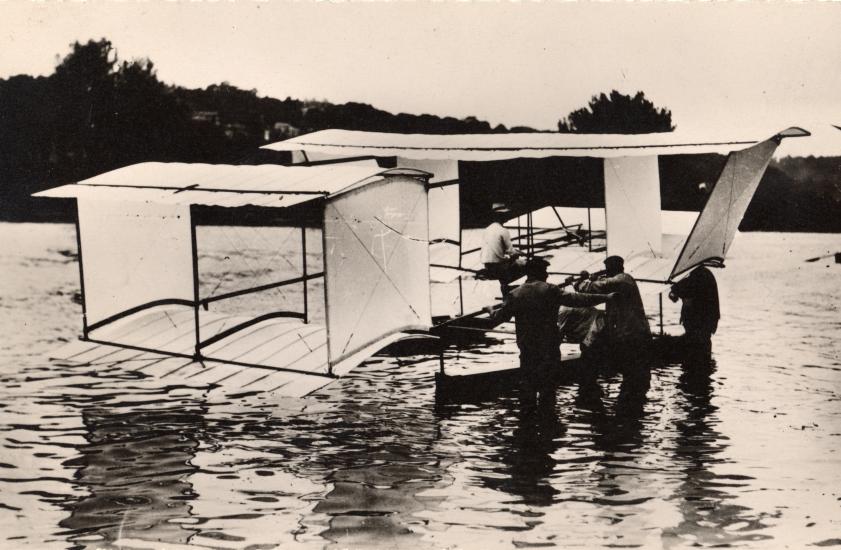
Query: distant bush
617, 113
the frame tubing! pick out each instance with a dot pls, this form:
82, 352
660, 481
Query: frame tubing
195, 283
212, 190
132, 310
661, 312
234, 294
81, 276
326, 299
304, 271
460, 255
245, 324
439, 184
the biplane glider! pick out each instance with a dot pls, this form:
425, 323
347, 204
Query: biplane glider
630, 221
152, 295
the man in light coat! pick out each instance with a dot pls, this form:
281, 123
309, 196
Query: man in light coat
501, 260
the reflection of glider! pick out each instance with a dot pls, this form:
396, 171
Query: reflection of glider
143, 291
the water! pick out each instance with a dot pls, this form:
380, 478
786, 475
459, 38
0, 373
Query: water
747, 456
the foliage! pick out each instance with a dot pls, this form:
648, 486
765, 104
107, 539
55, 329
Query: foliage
96, 113
617, 114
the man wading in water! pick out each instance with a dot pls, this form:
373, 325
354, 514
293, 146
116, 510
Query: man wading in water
699, 314
628, 337
534, 306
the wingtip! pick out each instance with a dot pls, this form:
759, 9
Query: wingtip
794, 131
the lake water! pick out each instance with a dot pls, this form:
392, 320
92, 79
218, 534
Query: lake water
746, 456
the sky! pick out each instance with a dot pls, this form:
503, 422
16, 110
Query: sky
722, 69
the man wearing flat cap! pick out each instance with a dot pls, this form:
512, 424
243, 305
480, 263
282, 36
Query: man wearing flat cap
626, 326
534, 306
502, 261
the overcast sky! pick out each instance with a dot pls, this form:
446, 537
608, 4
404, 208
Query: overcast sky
721, 67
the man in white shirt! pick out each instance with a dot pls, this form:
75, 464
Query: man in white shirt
502, 261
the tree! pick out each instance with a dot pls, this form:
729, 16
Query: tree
617, 114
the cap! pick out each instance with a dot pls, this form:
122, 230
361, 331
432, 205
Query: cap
536, 266
614, 260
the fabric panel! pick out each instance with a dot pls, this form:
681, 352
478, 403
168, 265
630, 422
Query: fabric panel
444, 232
133, 253
483, 147
632, 204
376, 264
726, 206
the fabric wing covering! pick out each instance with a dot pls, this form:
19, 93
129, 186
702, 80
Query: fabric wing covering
444, 231
267, 185
632, 199
376, 258
133, 253
483, 147
717, 224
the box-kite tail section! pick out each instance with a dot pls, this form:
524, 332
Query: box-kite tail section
376, 251
142, 285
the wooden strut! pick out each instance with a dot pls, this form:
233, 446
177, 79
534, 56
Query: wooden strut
660, 296
194, 248
85, 328
324, 250
460, 266
304, 271
268, 286
483, 330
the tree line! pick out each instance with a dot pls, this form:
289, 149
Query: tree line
96, 113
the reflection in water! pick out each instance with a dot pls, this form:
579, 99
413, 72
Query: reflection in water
707, 517
525, 460
134, 468
619, 430
94, 456
378, 452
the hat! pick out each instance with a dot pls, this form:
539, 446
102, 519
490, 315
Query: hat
614, 260
536, 266
500, 208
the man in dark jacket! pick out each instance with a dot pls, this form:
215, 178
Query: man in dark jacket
534, 307
626, 322
628, 336
699, 313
